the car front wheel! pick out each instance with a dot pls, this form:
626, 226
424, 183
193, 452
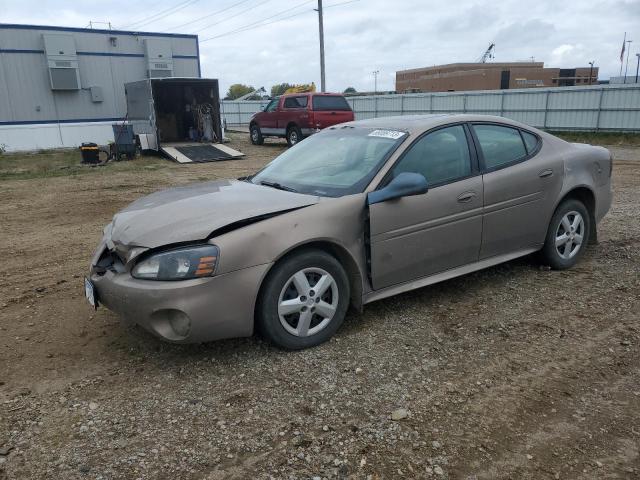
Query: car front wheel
304, 300
256, 135
568, 235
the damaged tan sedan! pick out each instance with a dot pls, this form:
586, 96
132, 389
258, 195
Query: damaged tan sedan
356, 213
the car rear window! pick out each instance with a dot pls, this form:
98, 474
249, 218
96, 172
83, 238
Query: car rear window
330, 102
530, 140
500, 145
295, 102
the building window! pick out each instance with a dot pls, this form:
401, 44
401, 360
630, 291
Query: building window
524, 82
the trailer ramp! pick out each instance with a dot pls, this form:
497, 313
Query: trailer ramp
199, 152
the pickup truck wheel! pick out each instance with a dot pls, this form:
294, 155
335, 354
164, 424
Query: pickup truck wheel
294, 135
256, 135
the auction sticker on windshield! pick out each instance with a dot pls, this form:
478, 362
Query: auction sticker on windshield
393, 134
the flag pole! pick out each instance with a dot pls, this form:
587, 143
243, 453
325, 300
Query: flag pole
624, 42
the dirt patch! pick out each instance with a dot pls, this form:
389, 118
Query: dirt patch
512, 372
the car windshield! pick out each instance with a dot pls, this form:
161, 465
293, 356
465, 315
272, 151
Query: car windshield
335, 162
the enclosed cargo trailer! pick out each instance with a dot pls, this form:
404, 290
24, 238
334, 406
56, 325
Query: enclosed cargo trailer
179, 117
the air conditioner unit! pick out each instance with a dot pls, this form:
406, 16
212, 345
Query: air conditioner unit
62, 61
159, 57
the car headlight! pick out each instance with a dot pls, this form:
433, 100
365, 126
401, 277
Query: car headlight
178, 264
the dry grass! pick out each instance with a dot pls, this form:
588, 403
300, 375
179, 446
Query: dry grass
601, 138
56, 163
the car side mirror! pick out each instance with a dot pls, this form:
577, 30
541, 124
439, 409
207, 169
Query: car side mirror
403, 185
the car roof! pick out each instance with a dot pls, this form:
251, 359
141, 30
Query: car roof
420, 123
311, 93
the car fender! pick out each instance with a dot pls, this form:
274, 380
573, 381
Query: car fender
334, 221
585, 166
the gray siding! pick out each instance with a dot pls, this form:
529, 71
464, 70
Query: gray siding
25, 91
595, 108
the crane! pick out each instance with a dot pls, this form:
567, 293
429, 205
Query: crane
250, 94
488, 54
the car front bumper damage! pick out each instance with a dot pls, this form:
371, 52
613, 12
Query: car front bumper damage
184, 311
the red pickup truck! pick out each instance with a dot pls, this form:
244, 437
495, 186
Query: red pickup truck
298, 115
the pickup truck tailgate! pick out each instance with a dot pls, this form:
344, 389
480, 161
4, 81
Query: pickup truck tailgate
330, 110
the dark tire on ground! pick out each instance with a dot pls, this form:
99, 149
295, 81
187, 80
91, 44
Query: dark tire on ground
289, 287
294, 135
256, 135
567, 236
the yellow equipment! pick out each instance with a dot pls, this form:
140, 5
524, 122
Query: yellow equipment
302, 88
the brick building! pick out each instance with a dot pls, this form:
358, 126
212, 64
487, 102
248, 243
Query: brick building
491, 76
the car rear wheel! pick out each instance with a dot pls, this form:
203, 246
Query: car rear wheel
256, 135
567, 236
294, 135
304, 300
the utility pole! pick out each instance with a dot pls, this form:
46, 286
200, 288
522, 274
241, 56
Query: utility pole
627, 66
375, 92
322, 79
637, 66
590, 71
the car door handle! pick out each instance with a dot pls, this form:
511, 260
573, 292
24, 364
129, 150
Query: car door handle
466, 197
545, 173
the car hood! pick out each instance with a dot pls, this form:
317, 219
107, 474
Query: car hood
193, 212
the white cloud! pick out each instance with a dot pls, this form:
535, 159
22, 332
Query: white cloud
366, 35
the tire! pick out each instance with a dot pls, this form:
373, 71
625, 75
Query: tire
294, 135
288, 298
256, 135
567, 236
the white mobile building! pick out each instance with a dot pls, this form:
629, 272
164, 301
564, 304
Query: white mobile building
62, 86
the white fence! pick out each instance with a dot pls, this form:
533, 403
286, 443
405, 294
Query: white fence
595, 108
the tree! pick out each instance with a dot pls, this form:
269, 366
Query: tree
350, 90
280, 88
237, 90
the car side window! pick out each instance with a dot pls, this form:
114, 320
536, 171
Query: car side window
530, 140
500, 145
271, 106
441, 156
296, 102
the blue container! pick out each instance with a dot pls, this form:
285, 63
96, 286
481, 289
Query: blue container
125, 140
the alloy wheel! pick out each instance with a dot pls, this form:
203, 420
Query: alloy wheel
569, 235
308, 302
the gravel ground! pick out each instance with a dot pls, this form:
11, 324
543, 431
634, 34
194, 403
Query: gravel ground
512, 372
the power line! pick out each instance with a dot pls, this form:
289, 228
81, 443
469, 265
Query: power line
161, 14
232, 16
243, 29
210, 15
339, 4
253, 25
187, 4
143, 18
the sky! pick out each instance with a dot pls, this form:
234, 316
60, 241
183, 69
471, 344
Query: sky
265, 42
